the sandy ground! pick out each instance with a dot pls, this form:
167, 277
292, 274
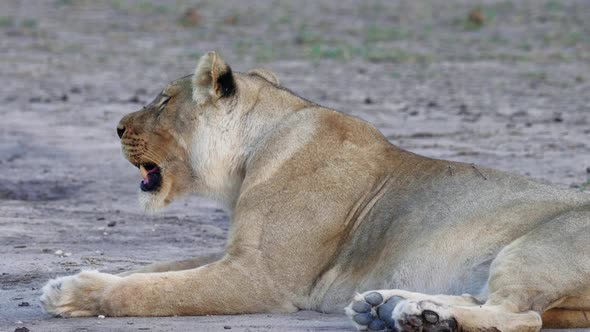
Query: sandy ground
513, 93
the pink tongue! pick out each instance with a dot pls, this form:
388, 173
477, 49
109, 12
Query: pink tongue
146, 178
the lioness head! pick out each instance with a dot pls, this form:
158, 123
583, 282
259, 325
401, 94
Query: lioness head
196, 135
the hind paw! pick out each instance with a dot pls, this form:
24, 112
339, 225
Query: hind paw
383, 311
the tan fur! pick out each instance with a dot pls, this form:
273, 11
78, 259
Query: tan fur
322, 206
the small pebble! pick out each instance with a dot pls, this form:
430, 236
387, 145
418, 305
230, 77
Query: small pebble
21, 329
67, 254
227, 327
112, 224
100, 316
58, 252
23, 304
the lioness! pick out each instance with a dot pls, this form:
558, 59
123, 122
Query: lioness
322, 206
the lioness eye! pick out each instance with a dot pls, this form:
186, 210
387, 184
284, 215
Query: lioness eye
164, 101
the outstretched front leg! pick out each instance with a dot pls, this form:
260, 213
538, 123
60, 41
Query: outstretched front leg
167, 266
224, 287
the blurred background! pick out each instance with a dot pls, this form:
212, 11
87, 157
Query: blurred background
504, 84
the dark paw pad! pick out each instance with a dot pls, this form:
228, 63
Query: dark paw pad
428, 321
374, 314
374, 298
363, 319
377, 325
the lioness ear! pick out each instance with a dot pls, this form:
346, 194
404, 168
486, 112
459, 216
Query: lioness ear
266, 74
213, 79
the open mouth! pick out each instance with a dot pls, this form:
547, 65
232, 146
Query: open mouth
152, 177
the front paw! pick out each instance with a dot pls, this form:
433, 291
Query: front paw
77, 295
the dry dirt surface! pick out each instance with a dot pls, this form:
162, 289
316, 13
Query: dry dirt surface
507, 87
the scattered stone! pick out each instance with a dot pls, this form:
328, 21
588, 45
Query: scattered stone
100, 218
100, 316
476, 17
463, 109
23, 304
75, 90
58, 252
231, 19
112, 224
557, 118
227, 327
67, 254
20, 247
368, 100
588, 169
64, 97
46, 250
432, 104
21, 329
17, 298
190, 18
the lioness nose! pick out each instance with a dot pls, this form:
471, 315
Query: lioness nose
120, 131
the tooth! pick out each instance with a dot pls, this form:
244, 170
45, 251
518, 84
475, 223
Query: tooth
143, 171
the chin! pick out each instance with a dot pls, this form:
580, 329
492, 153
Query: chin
151, 203
155, 201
